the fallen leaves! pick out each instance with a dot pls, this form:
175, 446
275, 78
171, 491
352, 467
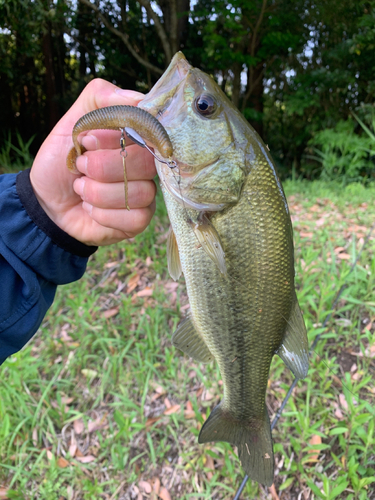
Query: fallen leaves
86, 459
314, 453
78, 426
4, 493
164, 494
273, 492
172, 409
62, 462
109, 313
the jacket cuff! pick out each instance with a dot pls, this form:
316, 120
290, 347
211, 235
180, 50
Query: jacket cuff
40, 218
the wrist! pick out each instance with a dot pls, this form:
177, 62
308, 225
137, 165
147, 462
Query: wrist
44, 221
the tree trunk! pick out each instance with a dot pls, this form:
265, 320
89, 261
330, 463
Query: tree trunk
52, 106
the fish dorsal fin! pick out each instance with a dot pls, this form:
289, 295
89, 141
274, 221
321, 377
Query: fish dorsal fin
188, 340
173, 256
294, 350
210, 241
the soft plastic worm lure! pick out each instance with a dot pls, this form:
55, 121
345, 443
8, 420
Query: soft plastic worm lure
118, 118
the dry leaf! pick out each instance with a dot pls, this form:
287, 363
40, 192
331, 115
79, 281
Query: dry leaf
338, 414
151, 421
145, 486
62, 462
155, 482
34, 437
314, 454
209, 464
189, 414
146, 292
172, 409
133, 283
199, 392
109, 313
164, 494
274, 495
3, 494
343, 402
78, 426
167, 403
73, 446
85, 460
208, 395
98, 423
344, 256
49, 454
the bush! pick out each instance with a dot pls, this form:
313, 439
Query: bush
346, 155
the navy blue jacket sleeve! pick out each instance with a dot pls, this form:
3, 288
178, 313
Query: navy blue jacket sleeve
35, 256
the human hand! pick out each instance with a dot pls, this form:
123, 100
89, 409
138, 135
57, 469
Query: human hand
91, 207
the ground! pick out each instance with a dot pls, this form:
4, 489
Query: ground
99, 405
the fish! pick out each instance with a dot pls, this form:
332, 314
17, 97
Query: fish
231, 236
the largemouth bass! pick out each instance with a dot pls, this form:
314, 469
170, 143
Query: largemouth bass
231, 237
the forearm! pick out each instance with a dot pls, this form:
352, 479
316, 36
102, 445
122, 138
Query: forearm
35, 257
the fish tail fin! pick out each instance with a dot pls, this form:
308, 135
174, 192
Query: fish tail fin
252, 438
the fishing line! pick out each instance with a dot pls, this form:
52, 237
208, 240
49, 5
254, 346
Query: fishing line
313, 345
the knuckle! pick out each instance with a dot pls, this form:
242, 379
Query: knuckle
96, 85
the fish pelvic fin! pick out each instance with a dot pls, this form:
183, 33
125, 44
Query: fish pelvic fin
209, 239
173, 256
252, 438
294, 350
188, 340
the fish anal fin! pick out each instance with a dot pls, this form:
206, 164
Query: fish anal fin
188, 340
294, 350
209, 239
173, 256
252, 438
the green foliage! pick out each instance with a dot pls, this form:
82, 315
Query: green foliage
295, 69
346, 155
14, 158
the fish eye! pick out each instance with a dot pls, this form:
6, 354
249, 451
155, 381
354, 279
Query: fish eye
205, 105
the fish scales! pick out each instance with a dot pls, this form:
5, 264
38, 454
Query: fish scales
241, 315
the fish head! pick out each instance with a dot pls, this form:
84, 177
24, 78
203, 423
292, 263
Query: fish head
208, 135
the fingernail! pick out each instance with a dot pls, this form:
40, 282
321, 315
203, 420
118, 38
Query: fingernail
87, 207
129, 94
90, 142
79, 186
81, 163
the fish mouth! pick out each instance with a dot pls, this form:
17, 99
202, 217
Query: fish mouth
166, 86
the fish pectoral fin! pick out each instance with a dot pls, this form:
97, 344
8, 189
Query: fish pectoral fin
294, 350
188, 340
173, 256
210, 241
252, 438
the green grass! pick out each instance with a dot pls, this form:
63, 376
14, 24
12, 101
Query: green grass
103, 357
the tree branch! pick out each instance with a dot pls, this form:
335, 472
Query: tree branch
159, 29
123, 37
173, 23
